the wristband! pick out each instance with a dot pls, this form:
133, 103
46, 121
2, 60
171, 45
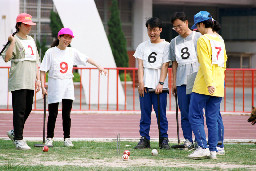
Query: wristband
161, 83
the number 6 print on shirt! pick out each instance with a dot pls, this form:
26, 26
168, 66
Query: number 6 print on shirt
152, 57
63, 67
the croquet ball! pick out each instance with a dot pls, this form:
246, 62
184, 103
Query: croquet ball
154, 152
127, 152
125, 157
45, 149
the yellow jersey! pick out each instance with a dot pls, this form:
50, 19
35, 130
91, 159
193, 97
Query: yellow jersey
210, 73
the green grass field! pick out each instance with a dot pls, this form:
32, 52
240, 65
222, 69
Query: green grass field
91, 155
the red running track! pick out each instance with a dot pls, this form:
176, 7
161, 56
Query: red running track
109, 125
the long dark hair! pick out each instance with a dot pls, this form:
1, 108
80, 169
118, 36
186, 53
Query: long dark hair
55, 42
216, 26
211, 23
17, 26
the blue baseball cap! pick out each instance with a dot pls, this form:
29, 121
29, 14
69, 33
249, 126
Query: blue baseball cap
201, 16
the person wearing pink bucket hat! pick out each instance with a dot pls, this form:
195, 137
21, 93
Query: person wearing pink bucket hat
59, 61
24, 75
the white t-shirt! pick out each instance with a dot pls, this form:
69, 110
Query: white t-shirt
153, 56
60, 63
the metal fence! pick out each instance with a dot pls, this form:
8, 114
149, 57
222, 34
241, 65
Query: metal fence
239, 91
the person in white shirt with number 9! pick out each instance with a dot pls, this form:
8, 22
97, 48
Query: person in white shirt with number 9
208, 88
59, 61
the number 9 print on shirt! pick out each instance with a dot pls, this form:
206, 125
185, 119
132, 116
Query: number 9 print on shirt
63, 67
63, 64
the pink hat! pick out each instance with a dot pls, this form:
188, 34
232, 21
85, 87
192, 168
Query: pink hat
25, 18
65, 31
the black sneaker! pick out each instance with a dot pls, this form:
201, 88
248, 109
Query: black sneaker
164, 143
144, 143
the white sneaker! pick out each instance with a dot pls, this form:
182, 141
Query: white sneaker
220, 151
11, 134
188, 144
213, 155
68, 142
200, 153
21, 145
48, 142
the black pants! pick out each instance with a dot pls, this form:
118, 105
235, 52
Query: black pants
66, 120
22, 101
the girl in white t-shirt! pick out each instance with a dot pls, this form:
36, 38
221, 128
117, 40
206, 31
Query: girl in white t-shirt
59, 61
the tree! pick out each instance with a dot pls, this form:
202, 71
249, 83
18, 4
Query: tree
116, 37
55, 24
41, 47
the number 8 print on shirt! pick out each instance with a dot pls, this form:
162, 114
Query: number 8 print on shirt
185, 52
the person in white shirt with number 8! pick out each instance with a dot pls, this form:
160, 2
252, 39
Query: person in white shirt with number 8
152, 57
59, 61
184, 63
208, 88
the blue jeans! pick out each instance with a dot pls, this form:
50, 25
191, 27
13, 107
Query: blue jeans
183, 101
146, 103
196, 118
220, 131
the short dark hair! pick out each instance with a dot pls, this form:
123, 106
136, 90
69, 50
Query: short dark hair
154, 22
179, 15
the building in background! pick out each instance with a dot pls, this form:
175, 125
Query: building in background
237, 18
40, 11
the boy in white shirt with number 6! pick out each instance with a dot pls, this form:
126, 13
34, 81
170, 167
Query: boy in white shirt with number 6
152, 57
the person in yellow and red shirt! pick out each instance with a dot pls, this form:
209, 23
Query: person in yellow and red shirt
208, 88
